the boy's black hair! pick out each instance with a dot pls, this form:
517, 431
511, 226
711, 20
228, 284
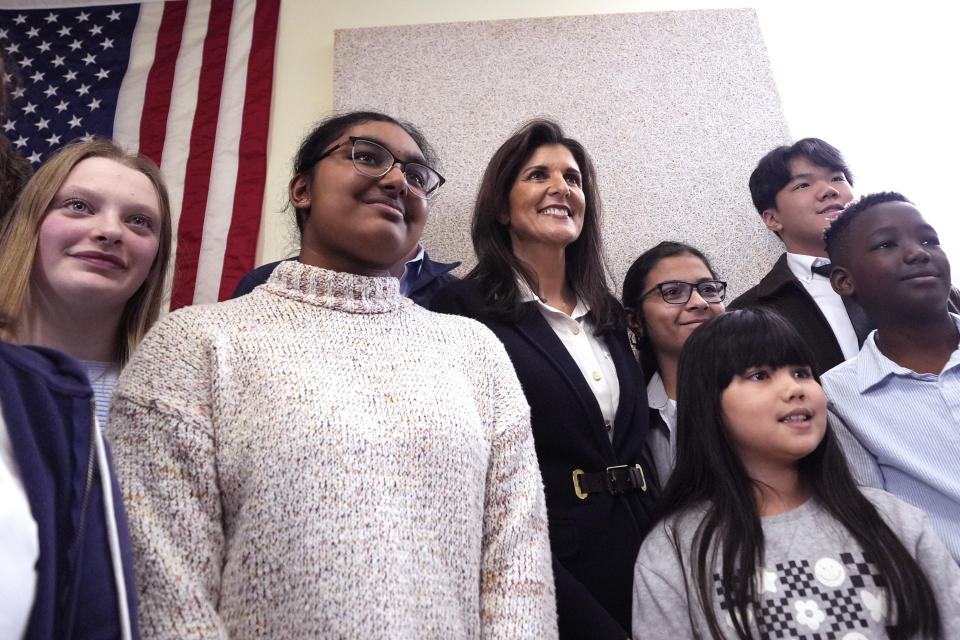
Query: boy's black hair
773, 171
729, 540
836, 237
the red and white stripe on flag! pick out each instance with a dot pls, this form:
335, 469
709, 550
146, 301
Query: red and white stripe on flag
196, 99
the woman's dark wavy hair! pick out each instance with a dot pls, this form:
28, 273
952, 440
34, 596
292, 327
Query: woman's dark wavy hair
497, 266
635, 285
709, 471
327, 132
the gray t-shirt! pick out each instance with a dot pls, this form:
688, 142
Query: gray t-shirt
815, 582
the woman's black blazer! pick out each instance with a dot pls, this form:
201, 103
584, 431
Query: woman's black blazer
594, 540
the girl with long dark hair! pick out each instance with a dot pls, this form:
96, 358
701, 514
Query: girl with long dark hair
765, 533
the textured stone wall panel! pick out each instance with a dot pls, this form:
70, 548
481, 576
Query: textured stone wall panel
674, 107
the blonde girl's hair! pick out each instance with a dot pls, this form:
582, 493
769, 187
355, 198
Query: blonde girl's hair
18, 242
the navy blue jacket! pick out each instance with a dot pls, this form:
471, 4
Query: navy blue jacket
594, 540
433, 276
48, 408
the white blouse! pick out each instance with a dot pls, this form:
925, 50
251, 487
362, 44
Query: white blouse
829, 301
589, 351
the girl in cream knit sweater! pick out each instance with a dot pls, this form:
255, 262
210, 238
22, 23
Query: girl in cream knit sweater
322, 458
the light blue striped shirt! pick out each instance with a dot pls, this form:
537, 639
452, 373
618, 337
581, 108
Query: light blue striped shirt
103, 377
900, 431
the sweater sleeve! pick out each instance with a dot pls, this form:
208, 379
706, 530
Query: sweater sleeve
516, 583
162, 430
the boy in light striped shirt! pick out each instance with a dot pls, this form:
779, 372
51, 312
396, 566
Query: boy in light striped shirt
896, 406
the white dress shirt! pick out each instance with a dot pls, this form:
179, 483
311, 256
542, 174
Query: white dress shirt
828, 300
662, 437
588, 351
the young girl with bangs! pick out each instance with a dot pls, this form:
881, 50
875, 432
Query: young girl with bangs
761, 490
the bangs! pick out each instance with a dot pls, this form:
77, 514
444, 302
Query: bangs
822, 158
749, 338
819, 153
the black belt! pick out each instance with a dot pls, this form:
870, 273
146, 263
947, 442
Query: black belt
615, 481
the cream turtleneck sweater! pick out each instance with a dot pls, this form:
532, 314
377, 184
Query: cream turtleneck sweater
322, 458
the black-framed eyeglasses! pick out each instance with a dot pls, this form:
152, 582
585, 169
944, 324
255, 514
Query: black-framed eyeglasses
679, 292
375, 160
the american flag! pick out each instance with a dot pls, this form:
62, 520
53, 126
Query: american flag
186, 83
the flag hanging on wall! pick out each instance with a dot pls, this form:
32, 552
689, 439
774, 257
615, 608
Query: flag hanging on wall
186, 83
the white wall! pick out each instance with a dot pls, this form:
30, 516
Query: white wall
878, 80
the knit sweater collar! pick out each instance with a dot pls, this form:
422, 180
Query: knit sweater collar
336, 290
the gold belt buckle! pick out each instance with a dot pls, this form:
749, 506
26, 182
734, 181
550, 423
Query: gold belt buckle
576, 484
583, 495
643, 477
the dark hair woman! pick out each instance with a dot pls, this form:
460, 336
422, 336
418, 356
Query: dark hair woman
765, 533
540, 286
348, 463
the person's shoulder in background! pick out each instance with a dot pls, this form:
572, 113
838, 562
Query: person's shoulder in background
257, 277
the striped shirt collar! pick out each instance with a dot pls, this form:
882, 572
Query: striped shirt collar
873, 367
